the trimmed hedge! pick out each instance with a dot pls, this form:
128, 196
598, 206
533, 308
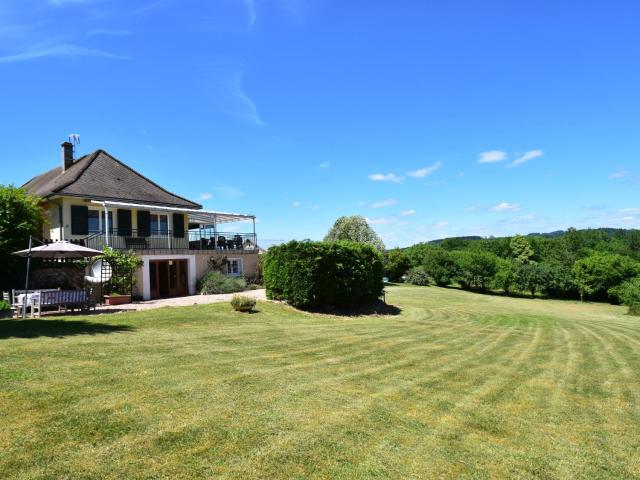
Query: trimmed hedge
321, 275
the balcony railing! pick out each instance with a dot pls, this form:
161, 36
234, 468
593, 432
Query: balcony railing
200, 239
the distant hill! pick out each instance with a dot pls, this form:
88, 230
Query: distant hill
610, 232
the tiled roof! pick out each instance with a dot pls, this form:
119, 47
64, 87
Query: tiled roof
100, 176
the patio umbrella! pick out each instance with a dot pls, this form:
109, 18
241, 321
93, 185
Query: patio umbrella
59, 249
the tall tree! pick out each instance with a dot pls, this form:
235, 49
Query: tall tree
521, 250
20, 216
354, 229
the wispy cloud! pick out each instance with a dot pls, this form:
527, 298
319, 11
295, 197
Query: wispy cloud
295, 204
440, 225
252, 15
407, 213
618, 174
530, 155
324, 165
62, 50
206, 196
423, 172
385, 203
492, 156
388, 177
506, 207
246, 108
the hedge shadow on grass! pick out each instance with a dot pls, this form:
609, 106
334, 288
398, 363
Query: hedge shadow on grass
377, 308
56, 328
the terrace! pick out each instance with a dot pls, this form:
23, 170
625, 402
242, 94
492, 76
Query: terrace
203, 231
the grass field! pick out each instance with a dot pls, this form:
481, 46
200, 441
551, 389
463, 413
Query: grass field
457, 385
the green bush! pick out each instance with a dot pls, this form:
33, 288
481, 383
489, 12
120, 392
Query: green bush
417, 276
4, 305
629, 294
321, 275
215, 282
242, 303
396, 264
476, 268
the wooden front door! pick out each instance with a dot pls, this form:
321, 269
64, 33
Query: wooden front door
168, 278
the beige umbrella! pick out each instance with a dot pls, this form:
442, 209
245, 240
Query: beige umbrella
59, 249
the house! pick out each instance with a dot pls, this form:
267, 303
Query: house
97, 200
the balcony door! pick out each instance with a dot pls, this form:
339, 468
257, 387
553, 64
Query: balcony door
159, 224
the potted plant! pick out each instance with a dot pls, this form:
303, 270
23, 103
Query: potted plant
5, 309
123, 266
114, 298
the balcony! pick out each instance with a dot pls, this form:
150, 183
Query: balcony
195, 239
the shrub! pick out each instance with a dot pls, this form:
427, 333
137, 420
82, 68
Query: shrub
242, 303
123, 264
324, 274
418, 276
4, 305
629, 295
215, 282
506, 275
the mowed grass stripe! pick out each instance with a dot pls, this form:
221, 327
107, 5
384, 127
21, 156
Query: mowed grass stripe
458, 385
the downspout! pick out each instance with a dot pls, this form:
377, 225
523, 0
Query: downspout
106, 223
60, 220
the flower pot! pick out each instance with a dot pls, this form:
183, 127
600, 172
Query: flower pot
6, 313
117, 299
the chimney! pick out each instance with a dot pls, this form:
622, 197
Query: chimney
67, 155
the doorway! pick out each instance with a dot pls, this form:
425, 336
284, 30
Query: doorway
168, 278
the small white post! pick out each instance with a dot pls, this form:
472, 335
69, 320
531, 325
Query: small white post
106, 223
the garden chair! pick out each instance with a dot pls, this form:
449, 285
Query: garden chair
222, 242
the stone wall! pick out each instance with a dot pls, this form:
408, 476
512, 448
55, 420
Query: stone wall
57, 277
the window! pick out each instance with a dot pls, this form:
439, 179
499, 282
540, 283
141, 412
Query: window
234, 267
93, 219
159, 224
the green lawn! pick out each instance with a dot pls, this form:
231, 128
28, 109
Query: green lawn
456, 385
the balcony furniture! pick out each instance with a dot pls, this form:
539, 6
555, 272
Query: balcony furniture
230, 244
222, 242
237, 240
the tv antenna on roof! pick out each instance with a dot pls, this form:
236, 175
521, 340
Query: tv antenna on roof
74, 138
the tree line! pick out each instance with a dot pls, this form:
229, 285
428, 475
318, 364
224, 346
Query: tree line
593, 264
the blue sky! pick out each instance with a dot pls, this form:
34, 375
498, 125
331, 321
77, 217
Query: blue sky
429, 118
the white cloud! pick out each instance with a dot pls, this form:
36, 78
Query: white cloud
506, 207
296, 204
324, 165
380, 221
423, 172
385, 203
403, 223
250, 5
472, 208
440, 225
407, 213
492, 156
389, 177
315, 207
107, 32
530, 155
206, 196
63, 50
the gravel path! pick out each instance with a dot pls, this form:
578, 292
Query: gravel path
182, 301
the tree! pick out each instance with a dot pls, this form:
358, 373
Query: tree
596, 274
354, 229
440, 265
629, 294
476, 269
396, 264
20, 216
530, 277
506, 275
521, 250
